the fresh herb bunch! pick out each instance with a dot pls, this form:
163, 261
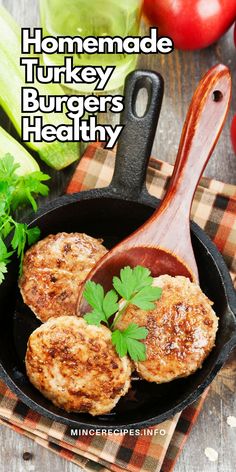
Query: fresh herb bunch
14, 191
134, 286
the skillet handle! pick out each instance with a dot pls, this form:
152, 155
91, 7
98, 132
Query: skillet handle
135, 144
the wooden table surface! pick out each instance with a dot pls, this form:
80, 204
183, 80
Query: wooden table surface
181, 72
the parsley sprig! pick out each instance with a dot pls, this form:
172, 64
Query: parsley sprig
16, 190
134, 286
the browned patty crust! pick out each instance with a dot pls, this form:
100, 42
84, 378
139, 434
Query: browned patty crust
76, 366
182, 330
53, 271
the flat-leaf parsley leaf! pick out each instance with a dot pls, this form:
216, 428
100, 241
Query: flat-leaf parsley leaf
104, 306
135, 287
15, 190
127, 340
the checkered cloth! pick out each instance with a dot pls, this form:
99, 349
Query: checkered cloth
214, 209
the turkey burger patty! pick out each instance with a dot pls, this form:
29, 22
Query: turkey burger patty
76, 366
181, 330
53, 271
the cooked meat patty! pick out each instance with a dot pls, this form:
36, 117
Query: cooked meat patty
182, 330
53, 270
75, 365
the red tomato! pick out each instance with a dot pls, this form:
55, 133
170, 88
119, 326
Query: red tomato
192, 24
233, 133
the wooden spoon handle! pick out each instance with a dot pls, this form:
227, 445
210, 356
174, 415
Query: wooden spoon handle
202, 128
168, 227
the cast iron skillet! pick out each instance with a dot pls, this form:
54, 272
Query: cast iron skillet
113, 213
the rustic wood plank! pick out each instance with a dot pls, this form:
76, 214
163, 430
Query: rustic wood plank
13, 446
181, 72
211, 429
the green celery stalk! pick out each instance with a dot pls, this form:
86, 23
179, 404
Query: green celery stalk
57, 155
9, 145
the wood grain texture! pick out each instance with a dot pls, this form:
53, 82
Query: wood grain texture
181, 72
13, 446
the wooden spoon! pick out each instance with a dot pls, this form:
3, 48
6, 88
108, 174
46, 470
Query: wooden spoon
163, 243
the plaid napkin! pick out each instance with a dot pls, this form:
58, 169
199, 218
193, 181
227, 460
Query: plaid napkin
214, 209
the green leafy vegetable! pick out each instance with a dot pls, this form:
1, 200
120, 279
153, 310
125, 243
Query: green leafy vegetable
33, 235
8, 168
94, 294
4, 259
3, 271
27, 186
132, 280
4, 254
19, 238
128, 341
15, 190
119, 342
135, 287
145, 297
125, 284
104, 306
110, 305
